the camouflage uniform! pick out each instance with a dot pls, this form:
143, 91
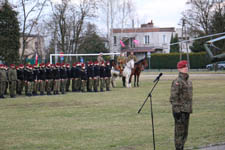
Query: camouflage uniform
96, 76
181, 100
132, 57
3, 80
102, 77
12, 74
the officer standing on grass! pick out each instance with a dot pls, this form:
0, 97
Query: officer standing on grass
12, 75
181, 100
3, 80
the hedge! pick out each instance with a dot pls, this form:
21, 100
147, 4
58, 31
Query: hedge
169, 61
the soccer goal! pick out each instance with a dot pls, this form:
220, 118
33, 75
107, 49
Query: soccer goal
80, 56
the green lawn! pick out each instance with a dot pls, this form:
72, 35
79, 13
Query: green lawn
109, 120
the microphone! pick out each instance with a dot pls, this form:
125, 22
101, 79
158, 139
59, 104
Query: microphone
157, 78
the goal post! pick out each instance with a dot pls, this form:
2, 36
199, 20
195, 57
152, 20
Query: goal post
68, 55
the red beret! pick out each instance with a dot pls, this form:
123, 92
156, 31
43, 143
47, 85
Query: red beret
182, 64
12, 65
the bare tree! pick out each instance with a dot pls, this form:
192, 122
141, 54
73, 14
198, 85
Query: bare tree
31, 13
198, 16
69, 19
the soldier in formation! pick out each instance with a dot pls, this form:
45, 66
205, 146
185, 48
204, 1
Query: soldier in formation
54, 79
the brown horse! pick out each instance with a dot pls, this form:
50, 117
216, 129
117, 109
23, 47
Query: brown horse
138, 68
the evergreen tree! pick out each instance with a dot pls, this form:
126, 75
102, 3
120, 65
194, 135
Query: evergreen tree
9, 35
198, 45
174, 48
91, 42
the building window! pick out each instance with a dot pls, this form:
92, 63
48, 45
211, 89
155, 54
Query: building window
147, 41
114, 41
26, 45
132, 45
36, 45
164, 39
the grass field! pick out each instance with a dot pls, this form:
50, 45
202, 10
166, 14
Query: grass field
109, 120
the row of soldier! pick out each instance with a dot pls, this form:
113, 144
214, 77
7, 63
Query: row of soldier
54, 79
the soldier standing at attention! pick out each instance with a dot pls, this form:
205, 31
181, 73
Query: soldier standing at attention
68, 70
12, 74
20, 81
83, 75
96, 76
3, 80
102, 76
108, 76
100, 58
181, 100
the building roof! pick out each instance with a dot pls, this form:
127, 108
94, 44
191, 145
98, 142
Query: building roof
149, 27
141, 30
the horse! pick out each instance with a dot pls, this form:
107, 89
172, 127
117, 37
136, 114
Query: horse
127, 72
116, 71
138, 67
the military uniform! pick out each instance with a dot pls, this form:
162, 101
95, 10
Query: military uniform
68, 70
100, 59
181, 100
63, 77
108, 76
3, 80
56, 72
41, 78
102, 76
12, 75
20, 81
29, 79
96, 76
49, 79
73, 76
83, 75
90, 75
35, 83
132, 57
121, 60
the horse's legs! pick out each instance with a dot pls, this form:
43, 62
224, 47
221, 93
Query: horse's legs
124, 80
138, 80
130, 79
113, 81
135, 78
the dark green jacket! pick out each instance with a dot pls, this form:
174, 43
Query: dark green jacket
3, 75
12, 74
181, 94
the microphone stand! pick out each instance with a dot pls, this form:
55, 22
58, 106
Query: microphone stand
150, 96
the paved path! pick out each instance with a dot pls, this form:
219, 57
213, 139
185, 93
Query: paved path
218, 147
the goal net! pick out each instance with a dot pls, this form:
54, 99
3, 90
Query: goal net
71, 58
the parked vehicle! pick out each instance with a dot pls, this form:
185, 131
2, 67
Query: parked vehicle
220, 66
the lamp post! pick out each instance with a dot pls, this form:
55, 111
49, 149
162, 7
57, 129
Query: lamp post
149, 59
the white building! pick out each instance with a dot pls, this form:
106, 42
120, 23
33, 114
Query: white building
150, 39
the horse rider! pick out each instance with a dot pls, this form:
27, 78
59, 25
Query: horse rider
100, 59
121, 60
132, 56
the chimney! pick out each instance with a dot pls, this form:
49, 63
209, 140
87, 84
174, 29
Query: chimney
148, 25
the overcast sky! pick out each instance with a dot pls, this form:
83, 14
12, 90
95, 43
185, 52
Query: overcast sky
164, 13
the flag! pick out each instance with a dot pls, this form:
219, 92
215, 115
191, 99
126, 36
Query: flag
136, 42
36, 59
122, 44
